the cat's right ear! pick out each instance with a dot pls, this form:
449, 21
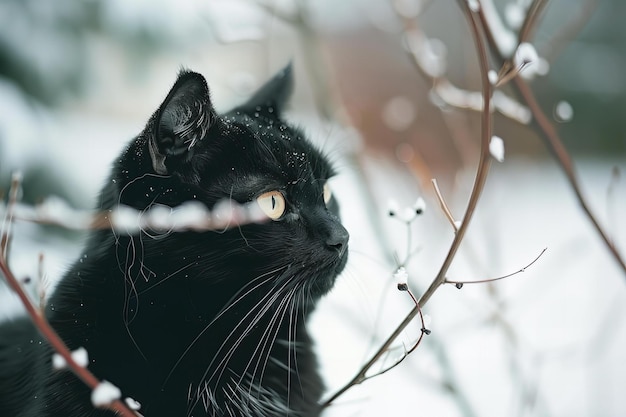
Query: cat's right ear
181, 122
271, 99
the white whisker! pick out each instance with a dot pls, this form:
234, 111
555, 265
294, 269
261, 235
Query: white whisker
222, 364
267, 277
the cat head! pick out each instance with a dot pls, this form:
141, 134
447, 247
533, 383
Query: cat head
188, 151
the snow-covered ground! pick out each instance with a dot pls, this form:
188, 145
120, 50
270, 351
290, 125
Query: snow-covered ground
548, 341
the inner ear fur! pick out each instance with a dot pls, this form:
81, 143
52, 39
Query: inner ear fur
182, 121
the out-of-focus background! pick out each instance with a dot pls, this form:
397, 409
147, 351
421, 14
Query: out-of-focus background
79, 79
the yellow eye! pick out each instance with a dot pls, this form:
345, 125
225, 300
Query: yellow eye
272, 203
327, 193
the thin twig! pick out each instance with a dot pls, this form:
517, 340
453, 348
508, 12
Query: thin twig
610, 195
459, 284
554, 144
362, 376
509, 68
41, 283
443, 205
576, 21
5, 239
530, 22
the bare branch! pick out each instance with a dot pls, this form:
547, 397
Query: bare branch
485, 159
39, 319
552, 140
547, 131
481, 177
195, 216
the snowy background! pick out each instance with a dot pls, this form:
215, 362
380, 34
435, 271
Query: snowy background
79, 79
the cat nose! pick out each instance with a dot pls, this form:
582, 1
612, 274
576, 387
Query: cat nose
338, 239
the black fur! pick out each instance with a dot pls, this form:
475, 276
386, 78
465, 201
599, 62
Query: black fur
194, 323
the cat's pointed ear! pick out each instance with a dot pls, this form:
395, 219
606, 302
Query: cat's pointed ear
181, 122
271, 99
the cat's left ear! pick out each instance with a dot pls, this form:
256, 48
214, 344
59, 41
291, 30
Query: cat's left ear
183, 120
271, 99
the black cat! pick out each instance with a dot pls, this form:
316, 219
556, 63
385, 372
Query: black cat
193, 323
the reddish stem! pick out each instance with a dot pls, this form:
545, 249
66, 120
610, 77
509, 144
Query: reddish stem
55, 341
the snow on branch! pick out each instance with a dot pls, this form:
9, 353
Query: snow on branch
446, 93
80, 356
104, 394
496, 148
189, 216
